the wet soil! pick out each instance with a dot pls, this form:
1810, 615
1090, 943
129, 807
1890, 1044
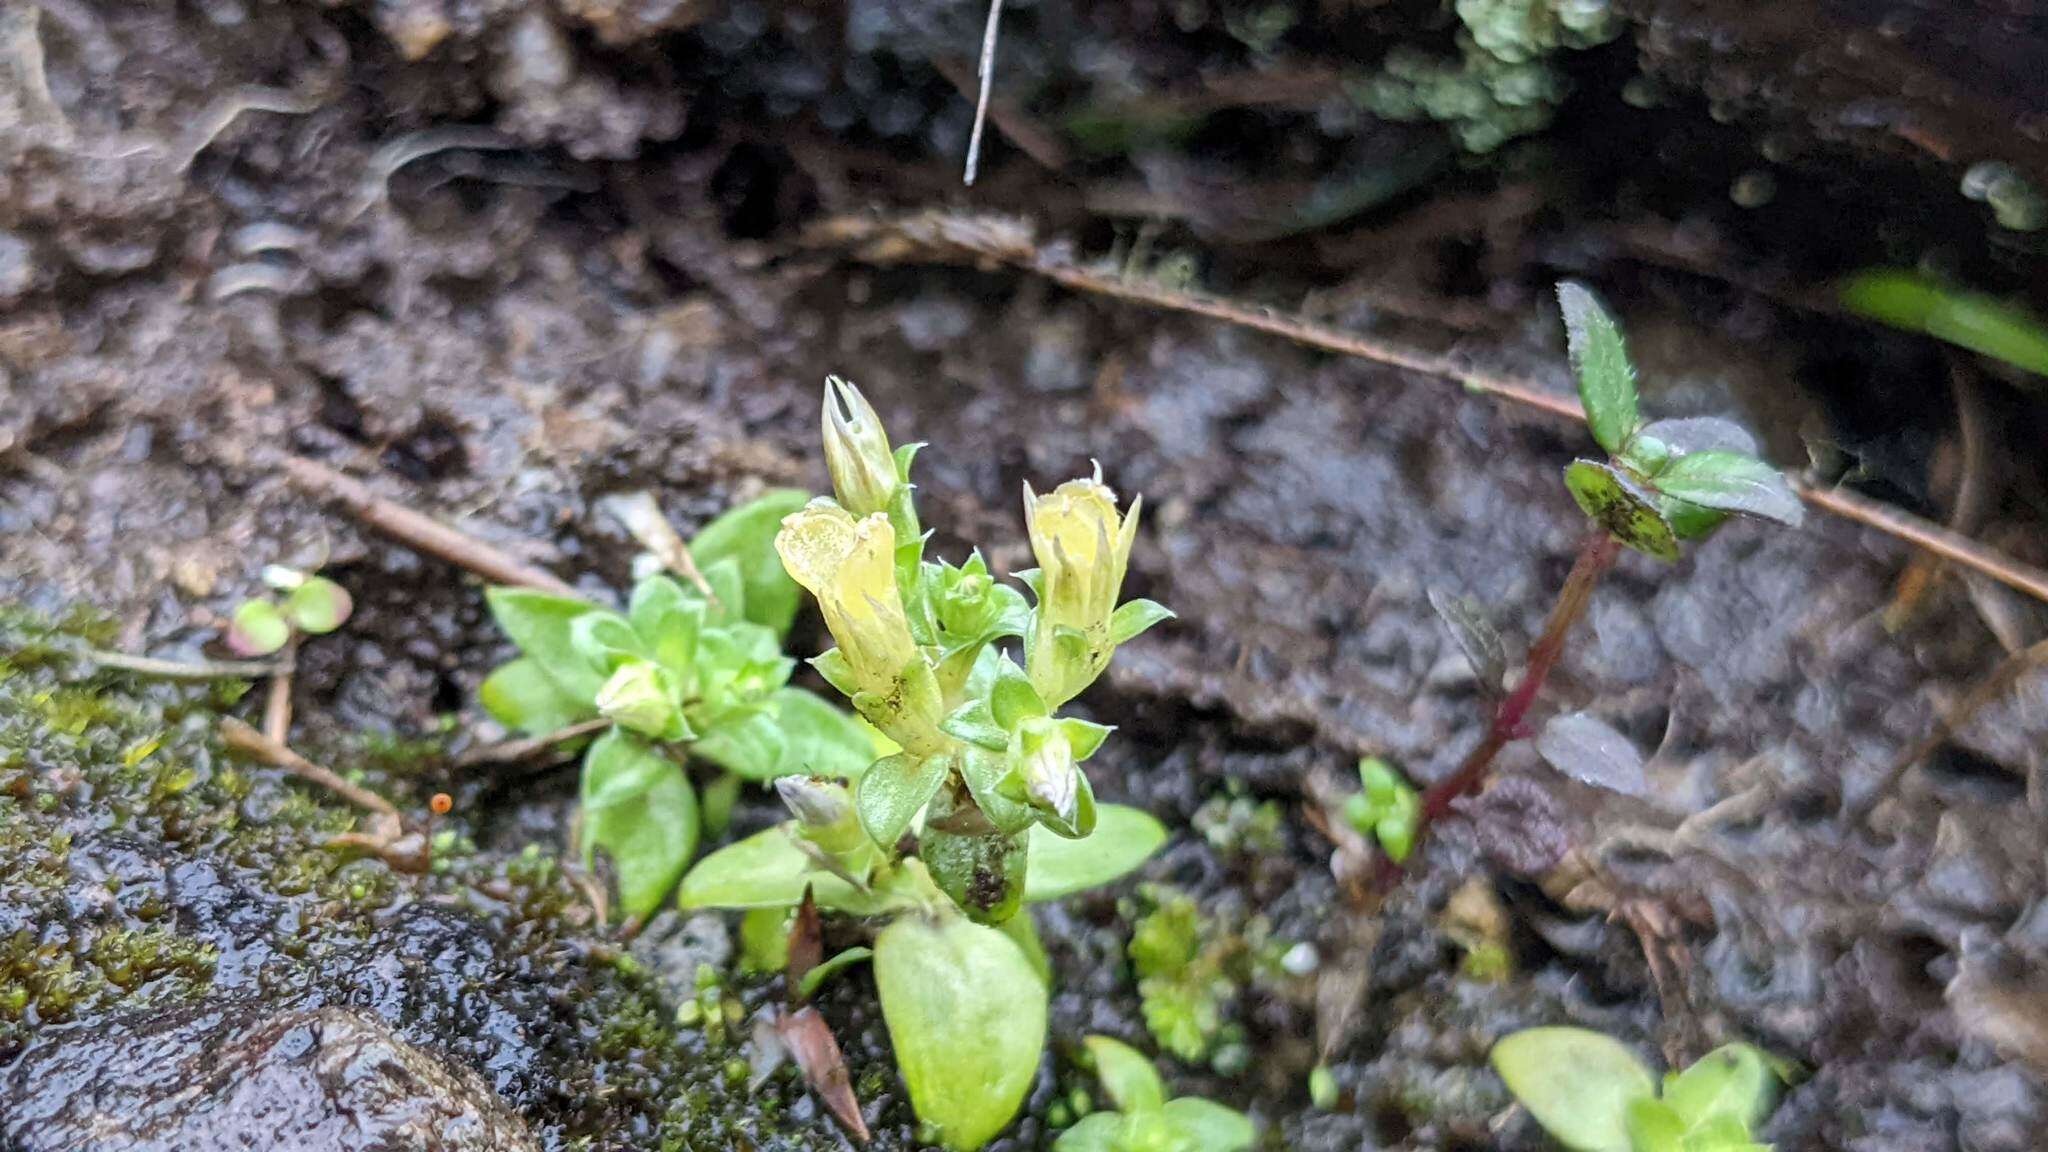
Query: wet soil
503, 260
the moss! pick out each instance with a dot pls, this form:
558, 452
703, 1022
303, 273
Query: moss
1191, 969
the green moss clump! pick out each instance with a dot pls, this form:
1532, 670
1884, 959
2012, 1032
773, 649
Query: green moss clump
1191, 968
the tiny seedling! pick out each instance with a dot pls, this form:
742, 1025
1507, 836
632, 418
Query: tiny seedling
1662, 482
1592, 1094
683, 671
1145, 1120
304, 605
980, 806
1386, 808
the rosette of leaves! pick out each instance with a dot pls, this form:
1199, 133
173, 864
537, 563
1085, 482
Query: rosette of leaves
1593, 1095
1144, 1120
1664, 480
982, 807
683, 671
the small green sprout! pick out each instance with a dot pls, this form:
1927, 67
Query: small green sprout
1663, 481
306, 604
1388, 809
683, 667
1592, 1094
1145, 1120
978, 805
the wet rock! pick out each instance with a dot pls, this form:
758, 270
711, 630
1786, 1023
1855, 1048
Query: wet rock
236, 1077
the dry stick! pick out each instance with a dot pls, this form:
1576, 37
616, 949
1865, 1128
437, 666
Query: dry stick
987, 73
277, 706
1998, 683
985, 240
510, 751
419, 531
188, 669
246, 739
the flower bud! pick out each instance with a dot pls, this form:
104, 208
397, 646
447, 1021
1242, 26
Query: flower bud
1083, 545
1046, 763
849, 565
636, 698
827, 825
815, 803
857, 450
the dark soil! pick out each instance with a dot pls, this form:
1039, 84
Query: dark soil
588, 282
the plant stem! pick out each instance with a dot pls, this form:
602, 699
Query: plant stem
189, 669
1596, 556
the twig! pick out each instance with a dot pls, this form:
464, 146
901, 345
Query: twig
512, 751
243, 738
277, 706
643, 520
418, 531
1997, 684
987, 73
189, 669
983, 241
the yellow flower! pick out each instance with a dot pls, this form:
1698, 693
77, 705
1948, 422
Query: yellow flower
850, 566
1083, 546
857, 450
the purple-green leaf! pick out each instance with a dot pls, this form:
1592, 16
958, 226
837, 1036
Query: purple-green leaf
1617, 503
1607, 381
1588, 750
1732, 482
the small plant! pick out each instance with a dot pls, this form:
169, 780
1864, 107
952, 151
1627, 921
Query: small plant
684, 670
305, 604
1190, 968
1145, 1120
1662, 482
1592, 1094
982, 806
1386, 808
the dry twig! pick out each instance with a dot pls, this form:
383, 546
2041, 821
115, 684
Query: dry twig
417, 530
513, 751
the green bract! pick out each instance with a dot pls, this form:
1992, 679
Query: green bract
1667, 480
976, 802
1593, 1095
683, 666
1146, 1121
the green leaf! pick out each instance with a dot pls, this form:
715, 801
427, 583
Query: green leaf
1123, 839
816, 977
891, 791
318, 606
822, 740
768, 870
764, 939
1734, 1080
540, 625
1918, 302
639, 809
1578, 1084
1012, 700
1653, 1127
966, 1016
1690, 521
605, 640
716, 803
1721, 1134
746, 534
1607, 381
257, 629
837, 671
750, 745
1690, 434
668, 619
1126, 1074
1022, 929
1095, 1132
983, 872
1210, 1126
996, 789
974, 723
1084, 736
1625, 509
526, 699
1729, 482
1131, 620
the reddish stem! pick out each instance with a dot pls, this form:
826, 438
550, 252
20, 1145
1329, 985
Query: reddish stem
1596, 556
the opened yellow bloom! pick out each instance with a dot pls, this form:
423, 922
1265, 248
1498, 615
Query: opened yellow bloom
850, 566
1083, 546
